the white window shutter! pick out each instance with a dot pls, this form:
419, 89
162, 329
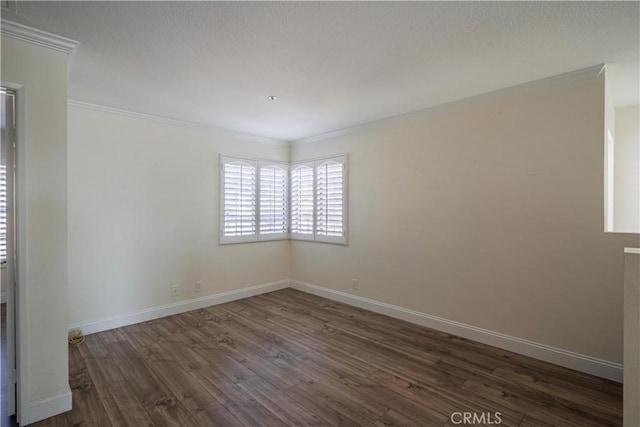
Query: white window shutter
302, 201
330, 200
239, 194
3, 212
265, 200
274, 200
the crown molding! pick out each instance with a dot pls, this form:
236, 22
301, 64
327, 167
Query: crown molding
167, 121
589, 73
37, 37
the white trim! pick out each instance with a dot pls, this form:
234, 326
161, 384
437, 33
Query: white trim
176, 308
568, 359
172, 122
632, 251
557, 356
22, 320
570, 77
46, 407
37, 37
573, 76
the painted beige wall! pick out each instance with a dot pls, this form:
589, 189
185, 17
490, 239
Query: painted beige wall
627, 170
42, 201
489, 215
632, 337
144, 215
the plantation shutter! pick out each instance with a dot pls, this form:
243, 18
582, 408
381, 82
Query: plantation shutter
239, 189
330, 198
302, 190
269, 200
3, 213
273, 201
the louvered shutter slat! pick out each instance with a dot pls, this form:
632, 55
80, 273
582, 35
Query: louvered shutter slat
239, 199
302, 200
3, 213
330, 199
273, 200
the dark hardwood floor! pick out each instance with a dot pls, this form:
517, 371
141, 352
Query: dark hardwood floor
289, 358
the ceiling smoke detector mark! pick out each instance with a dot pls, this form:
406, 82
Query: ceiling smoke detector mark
272, 97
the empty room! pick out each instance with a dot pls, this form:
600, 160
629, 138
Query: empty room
320, 213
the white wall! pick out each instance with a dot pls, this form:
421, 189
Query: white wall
490, 215
42, 227
627, 170
144, 215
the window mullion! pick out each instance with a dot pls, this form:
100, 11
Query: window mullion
315, 199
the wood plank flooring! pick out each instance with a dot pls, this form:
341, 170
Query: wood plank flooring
290, 358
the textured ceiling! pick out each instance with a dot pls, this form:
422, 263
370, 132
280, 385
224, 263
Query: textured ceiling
331, 65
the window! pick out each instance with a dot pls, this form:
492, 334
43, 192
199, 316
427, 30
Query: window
262, 200
302, 201
254, 197
318, 200
238, 200
330, 200
7, 125
274, 197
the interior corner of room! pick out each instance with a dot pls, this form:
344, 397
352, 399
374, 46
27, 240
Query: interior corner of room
499, 214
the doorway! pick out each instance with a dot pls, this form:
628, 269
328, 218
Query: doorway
7, 257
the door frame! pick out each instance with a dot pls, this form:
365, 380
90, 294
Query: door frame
8, 155
19, 309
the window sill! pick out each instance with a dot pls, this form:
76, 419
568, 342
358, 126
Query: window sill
237, 241
338, 241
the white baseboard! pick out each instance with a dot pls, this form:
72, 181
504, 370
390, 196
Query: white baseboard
558, 356
176, 308
47, 407
568, 359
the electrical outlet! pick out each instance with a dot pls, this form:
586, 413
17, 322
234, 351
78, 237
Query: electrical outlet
198, 286
355, 284
174, 291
